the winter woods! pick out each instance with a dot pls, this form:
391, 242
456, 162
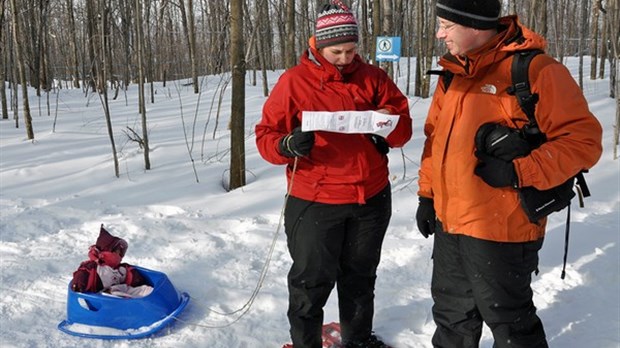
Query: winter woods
102, 45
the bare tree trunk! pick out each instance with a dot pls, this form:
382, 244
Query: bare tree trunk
261, 23
408, 42
613, 23
91, 21
364, 34
388, 29
531, 20
237, 124
583, 33
44, 81
140, 51
3, 58
558, 30
73, 45
429, 48
604, 47
150, 74
614, 34
304, 30
513, 6
289, 54
192, 39
100, 66
537, 16
417, 88
425, 47
13, 86
594, 33
21, 69
376, 28
125, 10
266, 35
190, 32
544, 21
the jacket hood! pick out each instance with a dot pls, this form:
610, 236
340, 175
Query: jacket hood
512, 37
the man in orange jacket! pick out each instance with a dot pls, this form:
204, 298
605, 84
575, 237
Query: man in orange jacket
485, 247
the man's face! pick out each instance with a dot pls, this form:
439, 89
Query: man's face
458, 39
340, 55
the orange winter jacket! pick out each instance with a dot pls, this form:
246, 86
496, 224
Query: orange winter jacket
341, 168
464, 203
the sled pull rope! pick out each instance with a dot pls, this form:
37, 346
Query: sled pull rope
261, 279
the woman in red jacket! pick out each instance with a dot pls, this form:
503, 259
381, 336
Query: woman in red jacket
340, 201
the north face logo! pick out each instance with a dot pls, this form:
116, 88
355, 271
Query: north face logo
489, 89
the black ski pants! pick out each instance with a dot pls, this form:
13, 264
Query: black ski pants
334, 244
475, 280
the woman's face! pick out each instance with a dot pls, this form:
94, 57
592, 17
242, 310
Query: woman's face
459, 40
340, 55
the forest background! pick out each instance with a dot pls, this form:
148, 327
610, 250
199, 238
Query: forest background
103, 46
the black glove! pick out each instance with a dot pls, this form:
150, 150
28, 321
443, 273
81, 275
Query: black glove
501, 142
380, 143
297, 143
496, 172
425, 216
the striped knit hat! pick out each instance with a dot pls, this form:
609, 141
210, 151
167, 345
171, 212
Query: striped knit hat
335, 24
477, 14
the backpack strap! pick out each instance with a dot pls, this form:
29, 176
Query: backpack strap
566, 235
521, 83
446, 76
527, 101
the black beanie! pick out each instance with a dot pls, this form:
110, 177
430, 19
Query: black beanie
477, 14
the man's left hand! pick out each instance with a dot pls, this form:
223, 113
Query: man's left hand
496, 172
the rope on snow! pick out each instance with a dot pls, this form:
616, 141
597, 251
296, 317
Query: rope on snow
246, 307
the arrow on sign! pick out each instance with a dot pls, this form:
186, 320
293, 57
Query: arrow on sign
387, 56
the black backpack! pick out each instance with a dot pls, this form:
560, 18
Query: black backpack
536, 203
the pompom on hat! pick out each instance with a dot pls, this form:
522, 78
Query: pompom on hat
335, 24
477, 14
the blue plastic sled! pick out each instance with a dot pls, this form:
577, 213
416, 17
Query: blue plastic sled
96, 315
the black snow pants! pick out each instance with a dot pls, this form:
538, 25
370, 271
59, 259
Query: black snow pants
334, 244
476, 280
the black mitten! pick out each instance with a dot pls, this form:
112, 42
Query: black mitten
502, 142
496, 172
297, 143
380, 143
425, 216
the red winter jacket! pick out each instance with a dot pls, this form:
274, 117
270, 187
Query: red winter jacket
341, 168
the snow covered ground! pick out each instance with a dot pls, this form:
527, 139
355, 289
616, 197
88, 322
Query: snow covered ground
214, 244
